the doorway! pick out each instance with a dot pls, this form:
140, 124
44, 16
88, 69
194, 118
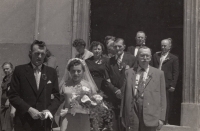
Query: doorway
159, 19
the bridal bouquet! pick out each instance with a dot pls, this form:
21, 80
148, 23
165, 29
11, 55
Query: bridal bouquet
94, 103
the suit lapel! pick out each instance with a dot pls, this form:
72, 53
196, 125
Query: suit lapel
31, 78
133, 79
158, 58
167, 58
149, 77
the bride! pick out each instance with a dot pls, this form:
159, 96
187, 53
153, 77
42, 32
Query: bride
73, 81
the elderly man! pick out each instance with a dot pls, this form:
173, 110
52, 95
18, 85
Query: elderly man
116, 72
169, 63
7, 110
31, 87
140, 41
143, 105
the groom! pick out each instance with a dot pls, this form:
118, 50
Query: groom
30, 93
143, 105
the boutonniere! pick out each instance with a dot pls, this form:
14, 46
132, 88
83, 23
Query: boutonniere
149, 77
44, 76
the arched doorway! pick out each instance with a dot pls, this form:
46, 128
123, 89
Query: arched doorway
158, 18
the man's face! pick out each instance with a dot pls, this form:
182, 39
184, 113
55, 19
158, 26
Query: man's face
110, 48
7, 69
80, 49
144, 56
76, 72
119, 47
140, 38
37, 55
165, 46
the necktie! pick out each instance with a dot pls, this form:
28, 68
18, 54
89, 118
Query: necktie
119, 61
37, 76
141, 81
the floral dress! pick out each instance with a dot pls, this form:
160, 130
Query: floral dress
75, 118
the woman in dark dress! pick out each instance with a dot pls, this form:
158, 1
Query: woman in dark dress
7, 111
96, 63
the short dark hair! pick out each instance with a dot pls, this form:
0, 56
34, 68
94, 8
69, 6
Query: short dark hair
75, 62
96, 43
41, 44
7, 63
79, 42
120, 39
107, 38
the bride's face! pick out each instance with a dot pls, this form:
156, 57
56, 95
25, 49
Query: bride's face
76, 72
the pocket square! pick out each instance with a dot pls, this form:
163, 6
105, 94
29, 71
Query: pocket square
49, 82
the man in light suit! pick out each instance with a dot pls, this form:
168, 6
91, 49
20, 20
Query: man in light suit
30, 93
140, 41
143, 105
169, 63
116, 71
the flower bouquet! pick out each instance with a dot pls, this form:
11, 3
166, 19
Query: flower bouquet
94, 104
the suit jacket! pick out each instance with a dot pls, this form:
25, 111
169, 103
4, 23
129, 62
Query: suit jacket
23, 93
116, 76
131, 49
154, 101
170, 67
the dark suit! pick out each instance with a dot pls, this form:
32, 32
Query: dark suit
117, 77
24, 94
153, 101
171, 70
131, 49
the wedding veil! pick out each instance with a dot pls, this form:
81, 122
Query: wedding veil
86, 76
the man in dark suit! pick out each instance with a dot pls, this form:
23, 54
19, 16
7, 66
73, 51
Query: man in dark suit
143, 105
140, 41
169, 63
116, 71
31, 87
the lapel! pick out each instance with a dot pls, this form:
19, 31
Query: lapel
133, 79
43, 79
31, 78
167, 58
149, 77
158, 57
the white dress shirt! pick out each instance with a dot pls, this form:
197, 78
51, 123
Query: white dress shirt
162, 59
37, 74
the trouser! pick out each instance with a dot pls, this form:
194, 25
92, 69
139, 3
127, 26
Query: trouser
28, 124
117, 123
170, 97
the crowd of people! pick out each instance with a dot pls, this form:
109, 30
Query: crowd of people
137, 84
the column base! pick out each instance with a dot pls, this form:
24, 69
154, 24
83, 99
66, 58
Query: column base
190, 115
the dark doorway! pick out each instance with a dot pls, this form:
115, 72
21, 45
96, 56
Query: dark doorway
159, 19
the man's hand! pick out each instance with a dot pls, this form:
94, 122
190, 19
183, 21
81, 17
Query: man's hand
171, 89
160, 124
35, 114
45, 114
118, 94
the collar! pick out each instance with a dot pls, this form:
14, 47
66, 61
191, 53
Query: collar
164, 54
146, 70
121, 56
39, 67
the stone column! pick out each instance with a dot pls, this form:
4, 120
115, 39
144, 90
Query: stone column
80, 21
190, 110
